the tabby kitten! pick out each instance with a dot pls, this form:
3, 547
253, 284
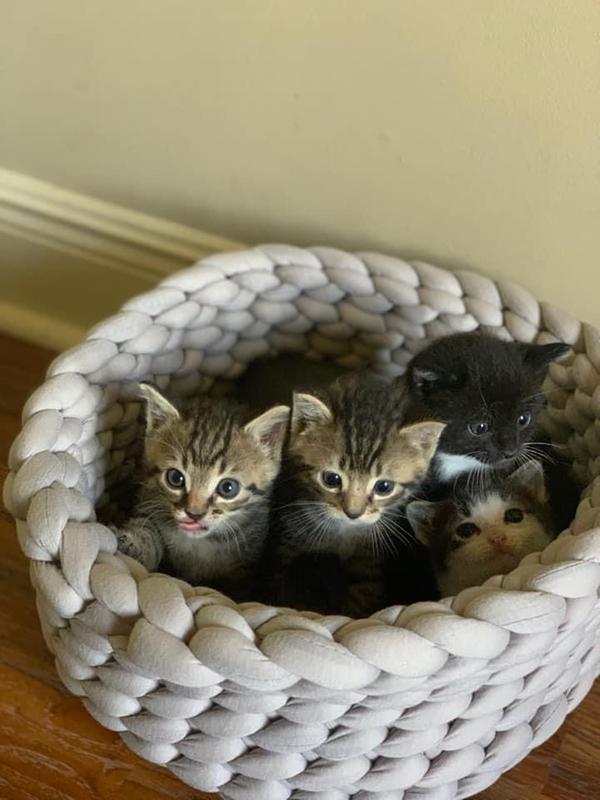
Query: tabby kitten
203, 510
349, 465
487, 530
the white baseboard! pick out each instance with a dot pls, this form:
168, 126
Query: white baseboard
97, 231
114, 240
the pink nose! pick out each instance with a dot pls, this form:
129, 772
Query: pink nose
497, 538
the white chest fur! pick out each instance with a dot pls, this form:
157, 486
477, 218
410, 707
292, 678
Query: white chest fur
451, 465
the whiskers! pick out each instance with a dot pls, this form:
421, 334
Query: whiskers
233, 532
312, 519
314, 522
386, 539
475, 480
534, 451
151, 511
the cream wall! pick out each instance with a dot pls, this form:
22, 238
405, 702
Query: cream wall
463, 131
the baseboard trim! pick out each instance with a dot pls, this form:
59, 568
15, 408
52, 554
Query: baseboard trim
102, 233
37, 328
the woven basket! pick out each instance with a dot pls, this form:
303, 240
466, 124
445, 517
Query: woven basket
432, 701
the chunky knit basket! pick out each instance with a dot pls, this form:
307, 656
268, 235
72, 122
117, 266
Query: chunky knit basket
432, 701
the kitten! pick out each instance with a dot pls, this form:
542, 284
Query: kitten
487, 391
349, 465
489, 394
203, 511
487, 531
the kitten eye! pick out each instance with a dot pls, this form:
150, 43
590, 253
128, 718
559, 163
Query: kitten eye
228, 488
384, 487
513, 515
331, 479
467, 529
479, 428
175, 479
523, 420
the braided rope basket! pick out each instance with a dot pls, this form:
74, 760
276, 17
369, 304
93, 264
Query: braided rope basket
432, 701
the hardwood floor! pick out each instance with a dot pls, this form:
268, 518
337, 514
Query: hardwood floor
51, 749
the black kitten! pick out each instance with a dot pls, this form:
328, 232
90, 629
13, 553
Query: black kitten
489, 394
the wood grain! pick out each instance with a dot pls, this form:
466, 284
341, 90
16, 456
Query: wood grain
51, 749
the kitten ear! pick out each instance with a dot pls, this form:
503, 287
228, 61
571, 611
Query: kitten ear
529, 478
158, 409
422, 516
421, 375
425, 380
539, 356
308, 409
269, 428
424, 436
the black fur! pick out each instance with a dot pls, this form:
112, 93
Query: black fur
466, 378
471, 377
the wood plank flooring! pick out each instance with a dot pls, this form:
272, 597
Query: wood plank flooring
51, 749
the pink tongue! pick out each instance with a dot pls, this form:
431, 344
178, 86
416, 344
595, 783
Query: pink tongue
191, 525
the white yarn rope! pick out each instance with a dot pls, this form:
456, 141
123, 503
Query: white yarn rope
429, 702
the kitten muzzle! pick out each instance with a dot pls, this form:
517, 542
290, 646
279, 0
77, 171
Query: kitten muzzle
500, 543
507, 463
192, 523
353, 506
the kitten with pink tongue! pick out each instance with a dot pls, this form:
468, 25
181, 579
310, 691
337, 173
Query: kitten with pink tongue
209, 469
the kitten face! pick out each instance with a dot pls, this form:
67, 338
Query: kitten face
486, 533
206, 467
489, 393
351, 456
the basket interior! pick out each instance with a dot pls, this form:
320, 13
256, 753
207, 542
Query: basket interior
197, 332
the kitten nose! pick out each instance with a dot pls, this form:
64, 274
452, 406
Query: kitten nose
497, 537
509, 453
352, 514
194, 515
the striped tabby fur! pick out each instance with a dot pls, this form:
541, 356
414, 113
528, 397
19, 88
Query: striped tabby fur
329, 546
190, 530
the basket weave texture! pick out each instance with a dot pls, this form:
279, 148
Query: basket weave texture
433, 701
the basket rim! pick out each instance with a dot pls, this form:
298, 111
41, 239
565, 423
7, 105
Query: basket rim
75, 564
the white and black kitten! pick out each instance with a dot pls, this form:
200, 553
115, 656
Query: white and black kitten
489, 394
485, 530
